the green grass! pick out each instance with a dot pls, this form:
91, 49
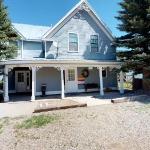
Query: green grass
37, 121
3, 122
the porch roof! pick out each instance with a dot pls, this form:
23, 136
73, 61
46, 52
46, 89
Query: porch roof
59, 62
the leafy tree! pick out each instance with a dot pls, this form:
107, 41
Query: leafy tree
135, 22
8, 36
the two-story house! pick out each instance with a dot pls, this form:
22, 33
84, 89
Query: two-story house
75, 55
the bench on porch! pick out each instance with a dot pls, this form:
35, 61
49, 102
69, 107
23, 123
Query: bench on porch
91, 86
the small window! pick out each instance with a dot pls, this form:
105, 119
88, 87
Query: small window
73, 42
20, 77
94, 43
71, 75
104, 73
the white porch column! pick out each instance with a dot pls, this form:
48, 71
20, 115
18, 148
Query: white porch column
33, 83
121, 83
45, 48
101, 81
22, 47
6, 95
62, 84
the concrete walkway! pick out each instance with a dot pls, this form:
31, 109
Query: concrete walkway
91, 99
16, 109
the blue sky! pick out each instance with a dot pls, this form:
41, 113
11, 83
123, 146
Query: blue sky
47, 12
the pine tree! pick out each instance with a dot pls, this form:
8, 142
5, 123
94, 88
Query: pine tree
135, 22
8, 36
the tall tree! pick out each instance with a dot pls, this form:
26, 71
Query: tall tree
8, 36
135, 22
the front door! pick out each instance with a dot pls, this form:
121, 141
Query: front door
71, 85
22, 81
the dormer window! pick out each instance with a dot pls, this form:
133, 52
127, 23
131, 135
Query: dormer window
94, 43
73, 42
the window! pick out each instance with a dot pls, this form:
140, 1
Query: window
20, 77
94, 43
71, 75
73, 42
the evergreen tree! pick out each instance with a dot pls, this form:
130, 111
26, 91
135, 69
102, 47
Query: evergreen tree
135, 22
8, 36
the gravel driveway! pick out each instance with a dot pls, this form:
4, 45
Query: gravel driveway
107, 127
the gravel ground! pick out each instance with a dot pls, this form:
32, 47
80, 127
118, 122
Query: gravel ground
107, 127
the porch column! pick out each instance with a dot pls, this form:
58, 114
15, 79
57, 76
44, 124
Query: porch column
121, 82
101, 81
45, 48
6, 95
62, 84
33, 83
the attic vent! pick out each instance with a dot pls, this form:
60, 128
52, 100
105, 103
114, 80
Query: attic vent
84, 7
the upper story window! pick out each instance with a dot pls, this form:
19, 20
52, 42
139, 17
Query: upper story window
94, 43
73, 42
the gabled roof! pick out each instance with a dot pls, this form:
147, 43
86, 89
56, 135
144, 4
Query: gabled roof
30, 32
83, 4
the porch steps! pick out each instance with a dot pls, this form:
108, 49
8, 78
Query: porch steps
57, 105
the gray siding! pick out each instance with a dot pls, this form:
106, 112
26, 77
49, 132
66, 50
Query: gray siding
50, 77
84, 26
33, 49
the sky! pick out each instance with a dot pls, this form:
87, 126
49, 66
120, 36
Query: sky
49, 12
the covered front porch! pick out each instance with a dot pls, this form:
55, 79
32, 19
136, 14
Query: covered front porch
62, 77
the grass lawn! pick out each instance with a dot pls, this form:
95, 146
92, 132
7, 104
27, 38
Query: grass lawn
37, 121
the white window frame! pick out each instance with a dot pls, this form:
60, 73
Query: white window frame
98, 43
69, 41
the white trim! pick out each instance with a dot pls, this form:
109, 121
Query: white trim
69, 42
72, 12
33, 83
62, 84
98, 43
16, 30
6, 92
59, 62
101, 81
45, 48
